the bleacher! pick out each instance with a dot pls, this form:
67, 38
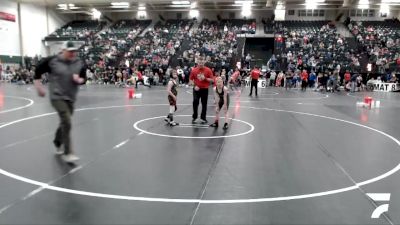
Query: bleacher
306, 40
76, 30
380, 40
212, 40
239, 26
316, 44
112, 43
171, 27
299, 26
159, 44
268, 26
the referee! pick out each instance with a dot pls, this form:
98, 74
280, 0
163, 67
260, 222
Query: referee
255, 75
200, 77
66, 73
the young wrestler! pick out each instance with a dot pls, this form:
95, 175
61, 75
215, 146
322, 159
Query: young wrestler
221, 96
234, 79
172, 95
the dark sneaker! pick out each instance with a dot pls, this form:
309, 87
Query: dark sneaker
57, 144
225, 126
168, 118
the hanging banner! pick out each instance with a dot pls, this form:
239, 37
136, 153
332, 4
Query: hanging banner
7, 16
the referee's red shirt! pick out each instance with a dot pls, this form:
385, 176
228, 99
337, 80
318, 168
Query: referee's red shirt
255, 74
195, 74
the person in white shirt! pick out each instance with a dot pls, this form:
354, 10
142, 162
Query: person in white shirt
290, 56
181, 76
272, 78
89, 75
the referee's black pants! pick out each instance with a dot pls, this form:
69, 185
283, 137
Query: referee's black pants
254, 83
202, 95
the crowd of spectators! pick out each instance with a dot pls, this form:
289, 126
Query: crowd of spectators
239, 26
316, 54
381, 41
105, 47
159, 44
17, 75
214, 40
148, 55
317, 47
314, 51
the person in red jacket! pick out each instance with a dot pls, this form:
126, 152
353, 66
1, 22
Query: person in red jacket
347, 78
304, 80
279, 41
201, 77
255, 75
140, 79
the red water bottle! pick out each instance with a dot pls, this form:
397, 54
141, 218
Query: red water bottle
131, 93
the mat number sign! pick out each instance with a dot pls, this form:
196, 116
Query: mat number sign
262, 83
385, 87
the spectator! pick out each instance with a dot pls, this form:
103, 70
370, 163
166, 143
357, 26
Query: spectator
393, 79
354, 82
304, 80
312, 79
272, 78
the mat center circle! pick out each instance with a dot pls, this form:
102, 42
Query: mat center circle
198, 131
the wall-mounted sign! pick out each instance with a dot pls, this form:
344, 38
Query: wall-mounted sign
7, 16
385, 87
262, 83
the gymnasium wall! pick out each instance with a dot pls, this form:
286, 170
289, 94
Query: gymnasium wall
37, 21
9, 33
256, 14
34, 29
211, 15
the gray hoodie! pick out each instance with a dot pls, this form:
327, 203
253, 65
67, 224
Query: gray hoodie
61, 84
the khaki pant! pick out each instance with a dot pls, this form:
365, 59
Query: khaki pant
65, 110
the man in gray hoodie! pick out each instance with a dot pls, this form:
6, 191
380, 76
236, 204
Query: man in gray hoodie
65, 73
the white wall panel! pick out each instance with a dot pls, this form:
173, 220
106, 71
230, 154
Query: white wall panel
9, 33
